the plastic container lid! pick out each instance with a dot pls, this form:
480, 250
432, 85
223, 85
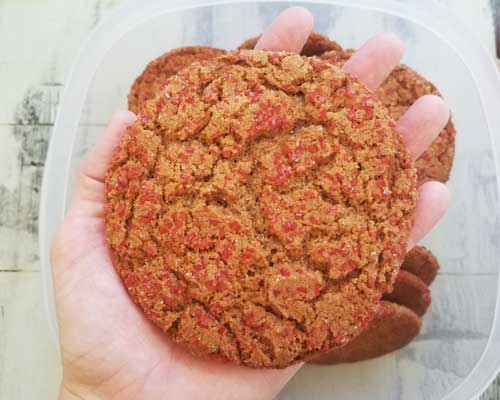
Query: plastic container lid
458, 352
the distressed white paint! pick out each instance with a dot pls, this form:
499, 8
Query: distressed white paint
477, 15
39, 40
9, 150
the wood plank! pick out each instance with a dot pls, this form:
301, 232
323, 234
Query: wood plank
462, 308
29, 105
477, 15
29, 364
318, 382
493, 392
24, 151
54, 47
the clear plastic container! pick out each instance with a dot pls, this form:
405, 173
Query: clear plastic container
458, 352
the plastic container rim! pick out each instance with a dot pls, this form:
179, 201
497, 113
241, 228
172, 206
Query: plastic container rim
433, 17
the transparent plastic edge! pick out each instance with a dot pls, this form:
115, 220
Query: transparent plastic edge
434, 18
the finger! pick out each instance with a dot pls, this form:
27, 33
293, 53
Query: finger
422, 123
288, 32
95, 164
375, 60
90, 178
432, 203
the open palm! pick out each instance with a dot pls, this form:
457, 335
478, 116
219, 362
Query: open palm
109, 349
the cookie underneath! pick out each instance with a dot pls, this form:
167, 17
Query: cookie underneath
393, 327
422, 263
410, 291
259, 207
315, 45
398, 92
410, 294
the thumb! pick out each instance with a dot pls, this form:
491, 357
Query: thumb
89, 195
288, 32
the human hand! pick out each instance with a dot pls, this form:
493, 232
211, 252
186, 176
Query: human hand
109, 349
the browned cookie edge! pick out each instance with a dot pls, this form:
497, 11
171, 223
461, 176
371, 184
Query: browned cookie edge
393, 327
315, 45
410, 291
421, 262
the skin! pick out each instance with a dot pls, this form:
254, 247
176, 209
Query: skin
109, 350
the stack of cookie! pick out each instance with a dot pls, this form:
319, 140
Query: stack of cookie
219, 171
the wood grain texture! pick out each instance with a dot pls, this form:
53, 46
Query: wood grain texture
493, 392
29, 107
477, 15
33, 70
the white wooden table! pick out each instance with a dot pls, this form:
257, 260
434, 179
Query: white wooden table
38, 41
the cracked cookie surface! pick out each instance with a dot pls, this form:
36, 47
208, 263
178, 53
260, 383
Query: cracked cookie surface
160, 69
399, 91
259, 207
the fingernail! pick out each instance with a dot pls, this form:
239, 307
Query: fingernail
410, 245
129, 117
